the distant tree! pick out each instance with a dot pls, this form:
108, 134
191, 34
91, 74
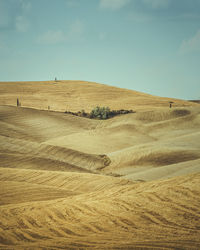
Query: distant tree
55, 78
170, 104
100, 113
18, 103
83, 113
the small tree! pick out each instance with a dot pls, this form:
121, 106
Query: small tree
18, 103
83, 113
100, 113
170, 104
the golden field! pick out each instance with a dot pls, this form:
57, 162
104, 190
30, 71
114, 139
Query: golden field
68, 182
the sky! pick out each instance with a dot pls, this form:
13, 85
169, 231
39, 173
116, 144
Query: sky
151, 46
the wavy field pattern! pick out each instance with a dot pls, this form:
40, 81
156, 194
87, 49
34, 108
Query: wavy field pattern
66, 182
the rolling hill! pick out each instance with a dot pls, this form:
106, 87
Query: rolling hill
78, 95
68, 182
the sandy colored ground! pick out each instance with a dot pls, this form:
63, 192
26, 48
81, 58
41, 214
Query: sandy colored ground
66, 182
78, 95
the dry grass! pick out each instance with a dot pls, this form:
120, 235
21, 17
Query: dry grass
68, 182
78, 95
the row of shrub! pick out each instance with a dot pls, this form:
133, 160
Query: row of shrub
101, 113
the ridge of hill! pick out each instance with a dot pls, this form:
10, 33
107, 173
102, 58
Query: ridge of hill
78, 95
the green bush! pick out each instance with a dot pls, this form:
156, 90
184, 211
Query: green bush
100, 113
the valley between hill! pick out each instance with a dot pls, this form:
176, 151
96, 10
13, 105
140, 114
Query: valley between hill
67, 182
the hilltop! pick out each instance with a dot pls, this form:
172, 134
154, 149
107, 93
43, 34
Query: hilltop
78, 95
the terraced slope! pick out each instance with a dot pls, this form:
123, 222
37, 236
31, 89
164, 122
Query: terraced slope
78, 95
58, 184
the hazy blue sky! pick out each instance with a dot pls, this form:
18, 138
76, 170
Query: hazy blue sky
146, 45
